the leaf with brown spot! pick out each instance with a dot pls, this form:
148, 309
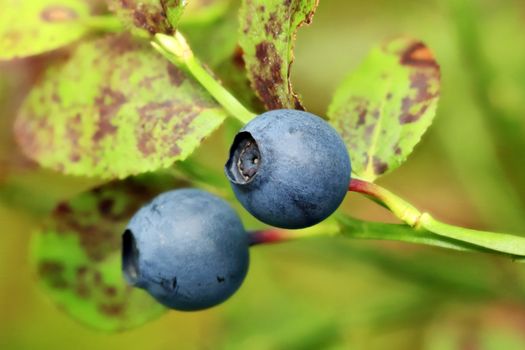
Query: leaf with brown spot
268, 30
114, 108
383, 108
149, 16
77, 254
33, 27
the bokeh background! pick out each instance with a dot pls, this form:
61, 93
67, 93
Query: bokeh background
334, 293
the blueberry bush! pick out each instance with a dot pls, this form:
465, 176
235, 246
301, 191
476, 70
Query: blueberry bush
123, 98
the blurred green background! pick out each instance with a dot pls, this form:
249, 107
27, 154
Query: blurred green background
334, 293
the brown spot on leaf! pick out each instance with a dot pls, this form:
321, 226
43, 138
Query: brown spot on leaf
413, 108
397, 149
176, 76
108, 103
55, 97
237, 58
261, 51
269, 76
63, 209
181, 130
406, 116
105, 206
117, 45
75, 157
97, 277
58, 14
53, 273
361, 115
110, 291
152, 113
273, 26
419, 55
147, 82
82, 291
81, 271
151, 17
380, 167
113, 310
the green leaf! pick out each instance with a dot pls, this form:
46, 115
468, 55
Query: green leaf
115, 108
268, 30
383, 108
149, 16
77, 257
32, 27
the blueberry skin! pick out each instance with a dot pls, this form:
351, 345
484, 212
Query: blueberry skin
289, 168
187, 248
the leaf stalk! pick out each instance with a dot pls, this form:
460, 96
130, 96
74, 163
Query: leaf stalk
498, 242
176, 49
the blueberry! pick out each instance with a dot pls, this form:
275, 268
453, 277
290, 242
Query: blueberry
289, 168
187, 248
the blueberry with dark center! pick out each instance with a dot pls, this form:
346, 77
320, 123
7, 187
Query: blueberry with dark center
187, 248
289, 168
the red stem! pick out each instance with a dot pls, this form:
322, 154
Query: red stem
271, 235
365, 187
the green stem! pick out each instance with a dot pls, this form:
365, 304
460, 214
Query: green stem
176, 50
501, 242
498, 242
358, 229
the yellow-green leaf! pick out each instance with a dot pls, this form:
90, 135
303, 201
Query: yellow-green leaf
383, 108
115, 108
267, 35
33, 27
77, 255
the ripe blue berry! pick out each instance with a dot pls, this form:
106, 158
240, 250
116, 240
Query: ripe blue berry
289, 168
187, 248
